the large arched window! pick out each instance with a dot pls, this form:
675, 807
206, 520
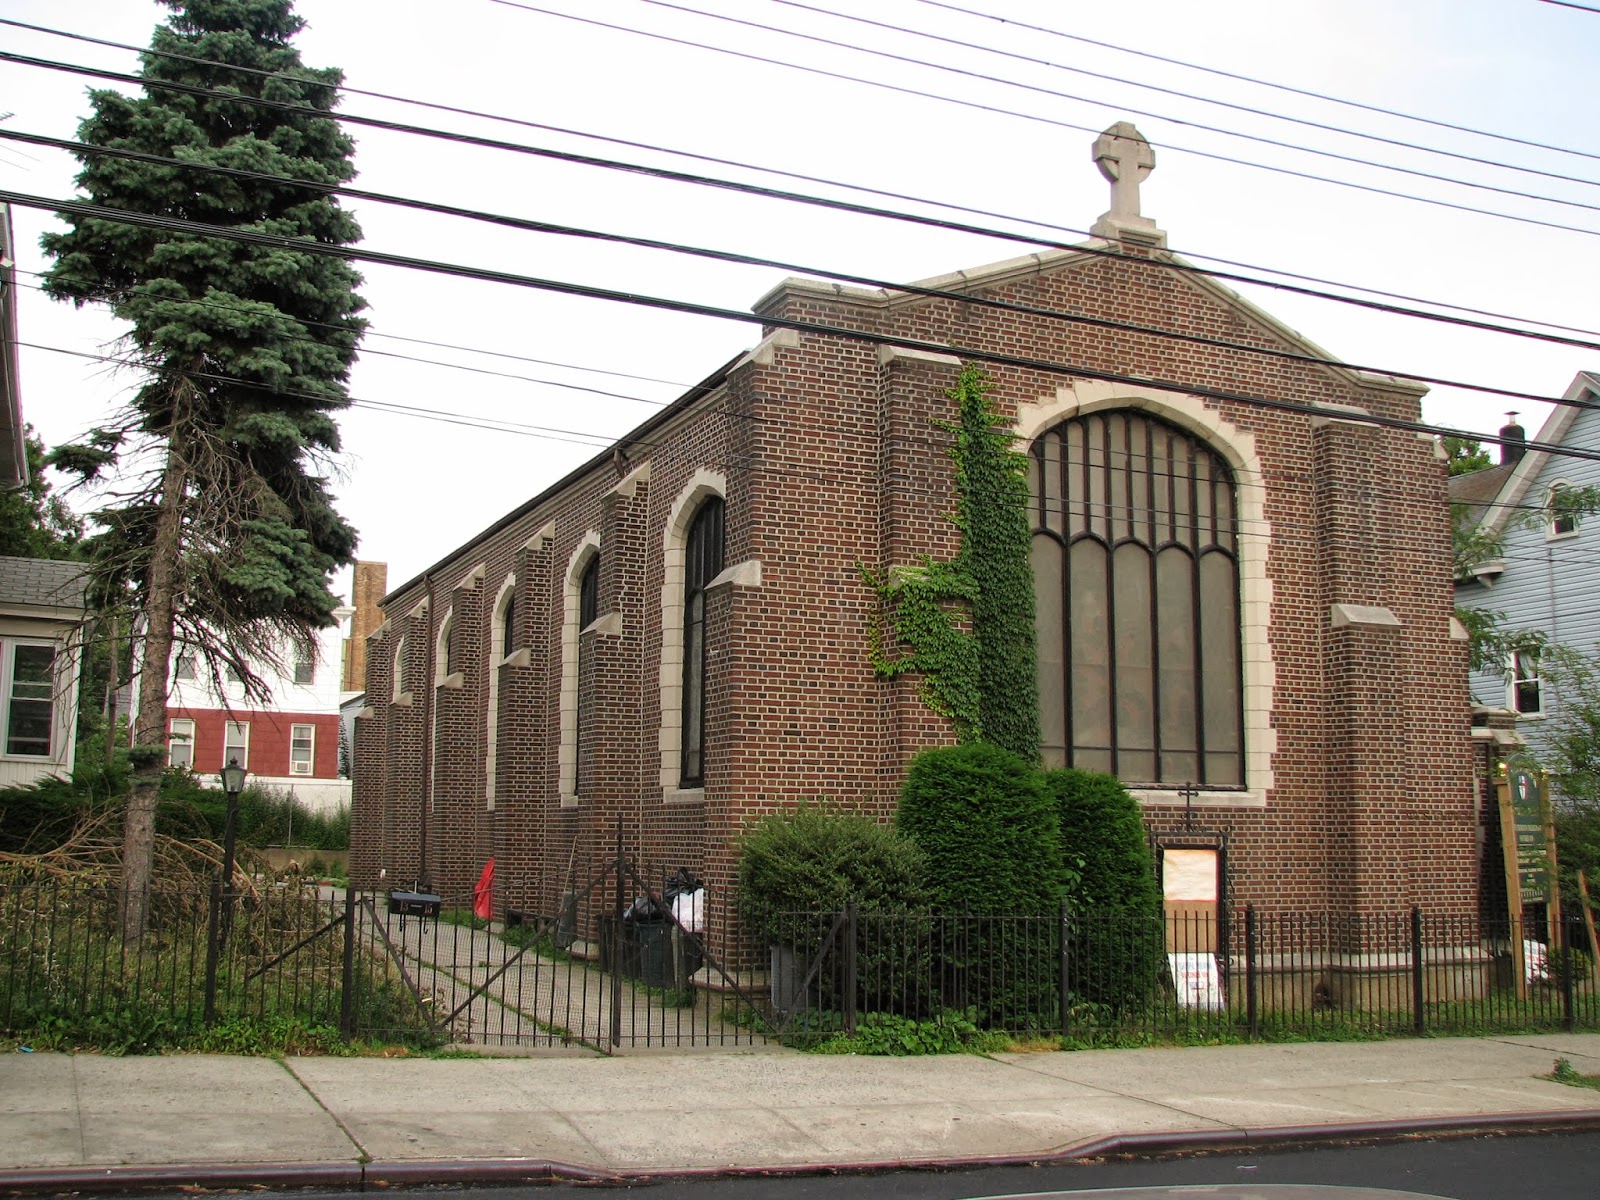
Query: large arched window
588, 612
1136, 576
702, 564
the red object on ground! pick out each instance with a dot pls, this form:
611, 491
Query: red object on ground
483, 894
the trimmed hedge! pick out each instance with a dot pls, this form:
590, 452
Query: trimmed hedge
1119, 936
988, 825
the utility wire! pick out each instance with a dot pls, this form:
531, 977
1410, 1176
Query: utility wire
801, 177
113, 296
1175, 92
1281, 87
959, 297
665, 304
779, 194
1051, 92
1027, 116
1243, 526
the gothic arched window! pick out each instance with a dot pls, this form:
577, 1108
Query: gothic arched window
702, 564
588, 612
1136, 577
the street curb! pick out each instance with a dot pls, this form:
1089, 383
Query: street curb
484, 1172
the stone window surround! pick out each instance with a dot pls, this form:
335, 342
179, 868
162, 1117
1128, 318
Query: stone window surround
1257, 669
675, 537
497, 659
587, 549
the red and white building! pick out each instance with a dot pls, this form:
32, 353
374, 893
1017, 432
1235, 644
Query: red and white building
291, 744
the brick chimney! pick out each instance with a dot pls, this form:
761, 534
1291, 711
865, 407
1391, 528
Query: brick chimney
369, 582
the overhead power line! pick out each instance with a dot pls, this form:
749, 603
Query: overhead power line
1281, 87
1027, 116
1278, 525
960, 297
779, 172
665, 304
1142, 85
663, 173
1183, 121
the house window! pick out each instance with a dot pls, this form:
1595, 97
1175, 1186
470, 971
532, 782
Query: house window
302, 748
1560, 519
304, 669
236, 743
449, 640
588, 612
29, 698
180, 743
1524, 684
1136, 578
702, 564
187, 667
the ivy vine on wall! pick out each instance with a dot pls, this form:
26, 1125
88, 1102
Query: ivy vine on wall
982, 678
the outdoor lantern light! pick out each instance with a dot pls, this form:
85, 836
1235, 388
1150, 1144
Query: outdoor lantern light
232, 777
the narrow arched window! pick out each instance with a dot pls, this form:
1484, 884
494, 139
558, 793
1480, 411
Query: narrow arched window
508, 626
588, 612
1136, 577
702, 564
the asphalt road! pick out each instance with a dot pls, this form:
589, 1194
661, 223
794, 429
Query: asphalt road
1539, 1167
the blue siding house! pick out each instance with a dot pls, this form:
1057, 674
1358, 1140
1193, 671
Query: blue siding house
1548, 577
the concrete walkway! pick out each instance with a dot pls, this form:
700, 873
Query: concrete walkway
84, 1122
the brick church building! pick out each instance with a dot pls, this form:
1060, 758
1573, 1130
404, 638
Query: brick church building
1244, 610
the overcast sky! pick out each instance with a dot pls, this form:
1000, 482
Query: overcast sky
416, 487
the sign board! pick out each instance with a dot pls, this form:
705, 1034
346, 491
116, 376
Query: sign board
1191, 889
1528, 821
1197, 981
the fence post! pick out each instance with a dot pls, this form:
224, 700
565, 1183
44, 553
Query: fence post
1569, 971
212, 933
1064, 983
616, 946
1418, 1018
1252, 1010
850, 967
347, 998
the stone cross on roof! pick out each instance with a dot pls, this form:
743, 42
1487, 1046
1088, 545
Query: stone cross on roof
1126, 160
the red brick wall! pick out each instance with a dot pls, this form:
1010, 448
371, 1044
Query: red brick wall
269, 740
834, 460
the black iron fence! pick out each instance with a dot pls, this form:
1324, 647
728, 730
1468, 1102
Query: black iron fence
1118, 978
625, 963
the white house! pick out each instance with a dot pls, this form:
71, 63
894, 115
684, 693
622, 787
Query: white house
41, 621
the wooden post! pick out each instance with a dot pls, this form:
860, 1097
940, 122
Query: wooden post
1588, 925
1508, 856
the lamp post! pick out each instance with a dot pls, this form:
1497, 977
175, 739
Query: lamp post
232, 778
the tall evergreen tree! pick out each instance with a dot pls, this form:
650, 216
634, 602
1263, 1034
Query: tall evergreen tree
220, 524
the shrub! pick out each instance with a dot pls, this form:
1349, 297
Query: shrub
813, 859
798, 869
1117, 947
988, 827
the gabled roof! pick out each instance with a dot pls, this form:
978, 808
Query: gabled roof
1042, 262
1515, 483
42, 583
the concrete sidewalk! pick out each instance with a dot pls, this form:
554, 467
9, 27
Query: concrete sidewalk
83, 1122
